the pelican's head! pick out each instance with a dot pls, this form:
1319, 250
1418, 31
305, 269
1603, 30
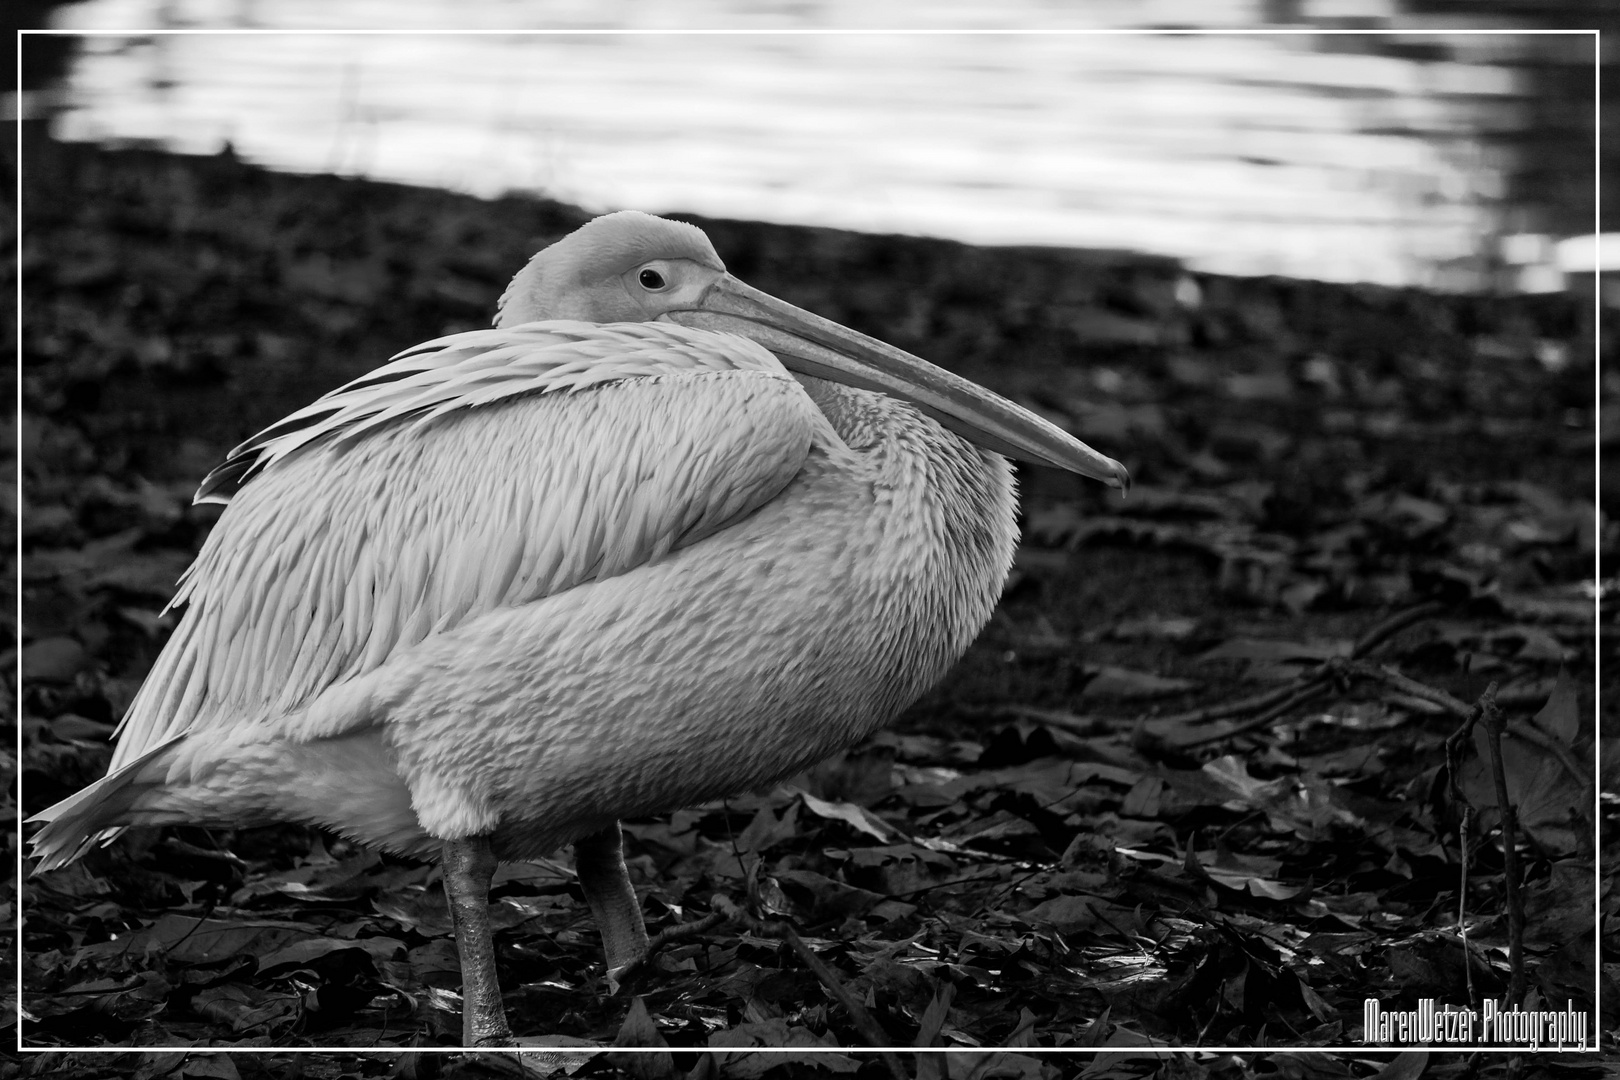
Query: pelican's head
633, 267
623, 267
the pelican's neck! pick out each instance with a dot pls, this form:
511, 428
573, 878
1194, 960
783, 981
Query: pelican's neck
857, 416
947, 516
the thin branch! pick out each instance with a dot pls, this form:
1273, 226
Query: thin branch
1357, 669
1298, 697
658, 941
1463, 833
1454, 749
1394, 625
174, 843
1266, 700
1271, 699
1494, 725
1058, 718
684, 930
864, 1022
1566, 757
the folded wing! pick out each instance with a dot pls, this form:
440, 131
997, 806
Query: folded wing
479, 471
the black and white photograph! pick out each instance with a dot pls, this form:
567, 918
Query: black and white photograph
721, 541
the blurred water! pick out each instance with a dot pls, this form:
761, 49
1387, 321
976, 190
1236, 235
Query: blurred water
1346, 158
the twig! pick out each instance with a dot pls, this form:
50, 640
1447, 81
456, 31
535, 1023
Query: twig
1463, 832
1532, 734
864, 1022
685, 930
174, 843
665, 937
1454, 745
1058, 718
1494, 725
1356, 669
1394, 625
993, 876
1236, 708
1271, 699
1299, 696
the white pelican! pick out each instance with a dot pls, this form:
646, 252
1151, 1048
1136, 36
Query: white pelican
656, 538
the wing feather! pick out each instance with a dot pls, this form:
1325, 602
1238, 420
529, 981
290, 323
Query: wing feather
478, 471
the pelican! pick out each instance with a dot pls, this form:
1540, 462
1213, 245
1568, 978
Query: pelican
655, 538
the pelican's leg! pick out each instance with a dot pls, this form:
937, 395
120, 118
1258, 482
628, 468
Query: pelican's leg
599, 859
468, 866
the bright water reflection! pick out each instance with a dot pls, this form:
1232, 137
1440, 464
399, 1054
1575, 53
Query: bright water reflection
1240, 153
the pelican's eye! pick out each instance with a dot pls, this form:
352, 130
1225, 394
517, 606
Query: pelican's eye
651, 279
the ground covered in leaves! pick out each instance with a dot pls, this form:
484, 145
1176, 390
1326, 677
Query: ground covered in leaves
1190, 788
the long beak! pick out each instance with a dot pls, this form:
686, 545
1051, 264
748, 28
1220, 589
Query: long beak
820, 348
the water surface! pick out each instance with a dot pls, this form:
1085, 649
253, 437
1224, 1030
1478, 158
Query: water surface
1343, 158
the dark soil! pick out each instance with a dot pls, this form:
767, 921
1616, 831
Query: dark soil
1052, 849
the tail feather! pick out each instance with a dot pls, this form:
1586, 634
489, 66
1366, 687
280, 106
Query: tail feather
95, 815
